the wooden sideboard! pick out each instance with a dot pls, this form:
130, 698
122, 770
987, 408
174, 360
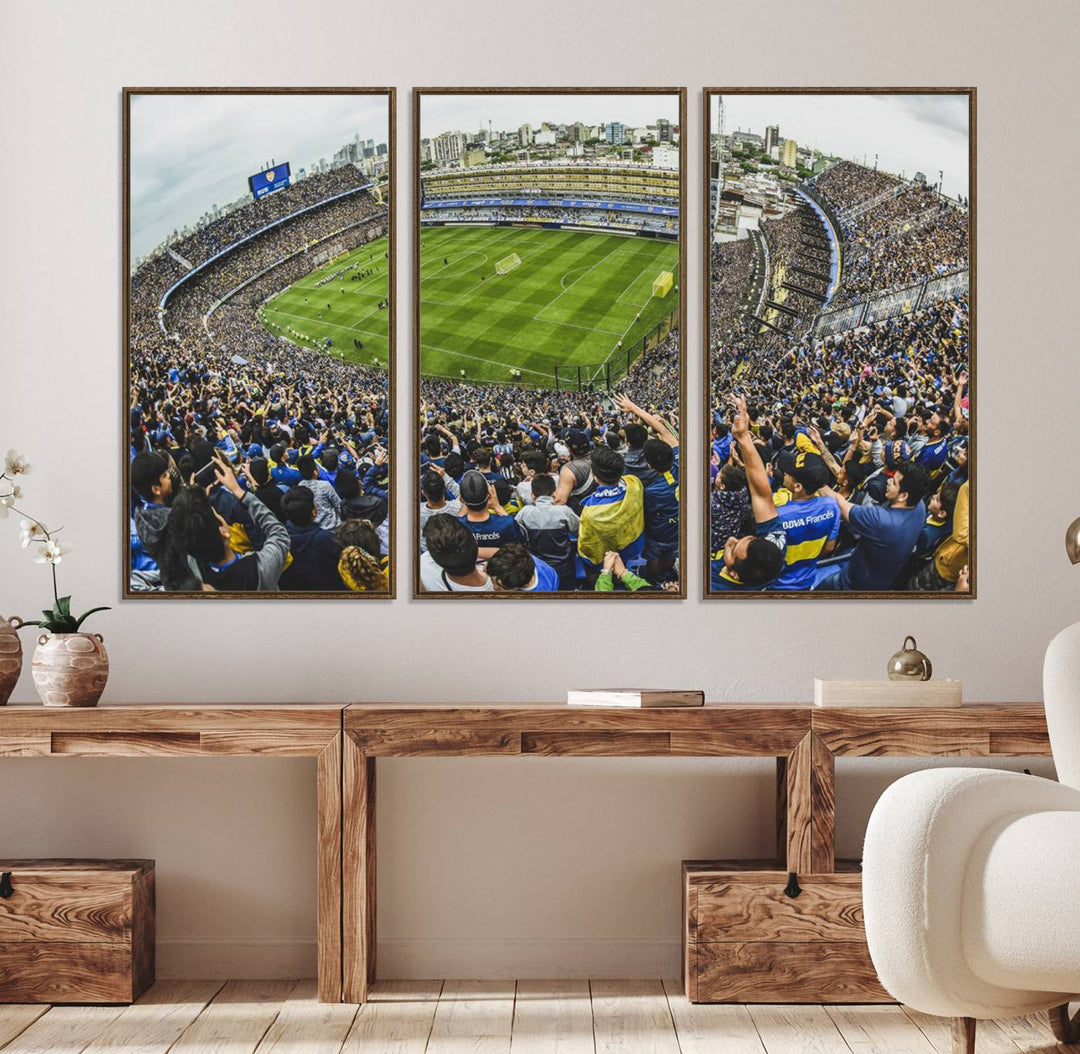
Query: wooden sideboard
346, 741
207, 730
805, 741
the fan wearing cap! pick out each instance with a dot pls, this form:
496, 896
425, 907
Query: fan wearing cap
754, 560
810, 522
491, 528
576, 480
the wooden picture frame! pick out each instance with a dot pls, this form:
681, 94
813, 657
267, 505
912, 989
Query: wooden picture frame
820, 95
679, 318
347, 219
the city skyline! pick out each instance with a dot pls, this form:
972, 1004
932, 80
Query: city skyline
911, 133
508, 112
193, 151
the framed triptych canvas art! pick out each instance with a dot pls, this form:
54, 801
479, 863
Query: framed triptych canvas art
548, 424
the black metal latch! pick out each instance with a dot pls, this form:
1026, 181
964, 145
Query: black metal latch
792, 889
5, 885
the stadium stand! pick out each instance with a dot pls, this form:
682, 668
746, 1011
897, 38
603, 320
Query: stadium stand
869, 377
209, 380
625, 197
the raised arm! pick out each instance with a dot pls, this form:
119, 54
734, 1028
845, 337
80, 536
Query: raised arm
657, 424
757, 479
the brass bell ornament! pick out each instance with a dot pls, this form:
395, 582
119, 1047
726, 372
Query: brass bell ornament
909, 664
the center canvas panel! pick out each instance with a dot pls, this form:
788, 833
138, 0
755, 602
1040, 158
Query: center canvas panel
549, 259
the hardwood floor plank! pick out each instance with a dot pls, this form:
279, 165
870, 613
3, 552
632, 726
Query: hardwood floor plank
238, 1018
396, 1019
1030, 1032
802, 1029
874, 1029
64, 1030
989, 1039
306, 1026
632, 1016
552, 1017
473, 1016
155, 1022
711, 1028
16, 1018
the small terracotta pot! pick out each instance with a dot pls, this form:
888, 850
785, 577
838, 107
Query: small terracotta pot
70, 669
10, 656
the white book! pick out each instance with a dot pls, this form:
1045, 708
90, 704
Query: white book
634, 697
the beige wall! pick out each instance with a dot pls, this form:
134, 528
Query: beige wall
490, 866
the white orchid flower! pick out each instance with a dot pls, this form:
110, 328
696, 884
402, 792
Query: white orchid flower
16, 464
31, 531
52, 552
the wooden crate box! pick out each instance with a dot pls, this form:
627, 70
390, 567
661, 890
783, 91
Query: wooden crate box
746, 940
76, 931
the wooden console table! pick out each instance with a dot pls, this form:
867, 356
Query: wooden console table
210, 731
804, 739
347, 740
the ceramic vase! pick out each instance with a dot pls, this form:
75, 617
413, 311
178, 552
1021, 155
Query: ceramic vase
70, 669
10, 656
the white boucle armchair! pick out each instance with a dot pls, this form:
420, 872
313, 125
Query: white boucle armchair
971, 880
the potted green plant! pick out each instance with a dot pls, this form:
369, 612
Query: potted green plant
70, 667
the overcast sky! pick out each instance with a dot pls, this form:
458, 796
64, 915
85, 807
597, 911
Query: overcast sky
189, 152
910, 133
467, 113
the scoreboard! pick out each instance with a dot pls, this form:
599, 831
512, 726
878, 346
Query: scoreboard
269, 180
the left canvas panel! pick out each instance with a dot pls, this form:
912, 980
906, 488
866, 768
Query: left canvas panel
258, 342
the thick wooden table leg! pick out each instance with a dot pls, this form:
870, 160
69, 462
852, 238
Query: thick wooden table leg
329, 870
1066, 1029
806, 807
963, 1035
358, 888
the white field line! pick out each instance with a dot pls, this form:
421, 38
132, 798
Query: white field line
619, 250
630, 285
575, 325
323, 322
480, 358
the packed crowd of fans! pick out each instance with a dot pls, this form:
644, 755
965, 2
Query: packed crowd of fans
257, 464
530, 489
907, 232
840, 463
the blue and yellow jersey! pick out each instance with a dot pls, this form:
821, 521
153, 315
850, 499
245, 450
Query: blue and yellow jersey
662, 504
808, 526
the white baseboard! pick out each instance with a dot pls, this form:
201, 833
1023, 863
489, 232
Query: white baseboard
418, 958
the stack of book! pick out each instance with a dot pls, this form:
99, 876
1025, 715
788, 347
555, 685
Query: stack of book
634, 697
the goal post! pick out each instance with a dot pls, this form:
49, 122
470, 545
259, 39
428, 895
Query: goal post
662, 284
508, 263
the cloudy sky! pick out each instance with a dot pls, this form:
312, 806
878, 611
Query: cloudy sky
467, 113
909, 133
189, 152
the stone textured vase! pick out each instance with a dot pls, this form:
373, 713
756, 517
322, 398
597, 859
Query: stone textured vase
10, 656
70, 669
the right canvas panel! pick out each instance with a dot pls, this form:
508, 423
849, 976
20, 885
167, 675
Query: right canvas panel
840, 342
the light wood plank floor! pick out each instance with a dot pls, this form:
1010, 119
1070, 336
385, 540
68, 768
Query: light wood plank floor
478, 1017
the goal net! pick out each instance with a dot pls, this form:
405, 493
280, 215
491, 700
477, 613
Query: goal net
508, 263
662, 284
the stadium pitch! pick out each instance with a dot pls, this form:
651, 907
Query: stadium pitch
354, 312
571, 300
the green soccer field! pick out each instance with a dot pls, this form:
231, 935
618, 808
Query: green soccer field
571, 301
353, 315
